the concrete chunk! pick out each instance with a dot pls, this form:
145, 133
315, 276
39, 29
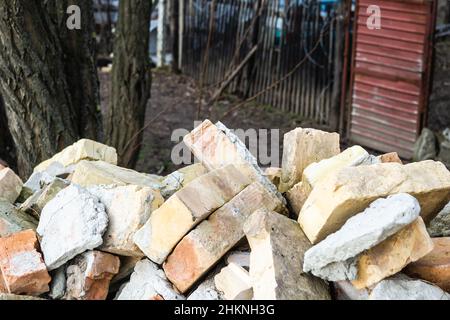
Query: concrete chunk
344, 290
39, 180
320, 171
10, 185
13, 220
186, 209
39, 200
148, 282
384, 218
234, 281
303, 147
297, 197
73, 222
440, 226
15, 297
352, 189
401, 287
128, 209
241, 258
94, 173
206, 291
393, 254
84, 149
204, 246
58, 283
22, 268
216, 146
274, 175
89, 276
181, 178
278, 246
435, 266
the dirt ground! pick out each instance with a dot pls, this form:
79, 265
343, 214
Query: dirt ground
174, 105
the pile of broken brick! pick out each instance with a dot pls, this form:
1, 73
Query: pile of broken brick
327, 225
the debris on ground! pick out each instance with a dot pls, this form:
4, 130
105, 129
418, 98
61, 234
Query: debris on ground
329, 224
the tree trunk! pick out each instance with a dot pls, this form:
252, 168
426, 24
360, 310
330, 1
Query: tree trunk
131, 80
6, 143
33, 84
79, 64
174, 32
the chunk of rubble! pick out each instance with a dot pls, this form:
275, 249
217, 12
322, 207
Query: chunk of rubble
186, 209
216, 146
278, 246
181, 178
22, 269
390, 157
94, 173
303, 147
15, 297
241, 258
39, 200
274, 175
204, 246
352, 189
320, 171
425, 146
333, 259
58, 283
39, 180
128, 209
84, 149
392, 255
72, 223
89, 275
402, 287
444, 153
13, 220
127, 265
435, 266
440, 226
297, 197
234, 281
148, 282
344, 290
206, 291
10, 185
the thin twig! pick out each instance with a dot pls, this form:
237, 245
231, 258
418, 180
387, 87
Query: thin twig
129, 143
226, 82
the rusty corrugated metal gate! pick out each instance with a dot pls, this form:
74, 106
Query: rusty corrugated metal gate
300, 42
390, 74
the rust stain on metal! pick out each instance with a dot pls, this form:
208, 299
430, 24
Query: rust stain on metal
390, 74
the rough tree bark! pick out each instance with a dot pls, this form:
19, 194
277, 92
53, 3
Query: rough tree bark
79, 64
33, 83
131, 80
6, 144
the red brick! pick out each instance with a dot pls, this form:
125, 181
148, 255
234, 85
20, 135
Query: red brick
22, 266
